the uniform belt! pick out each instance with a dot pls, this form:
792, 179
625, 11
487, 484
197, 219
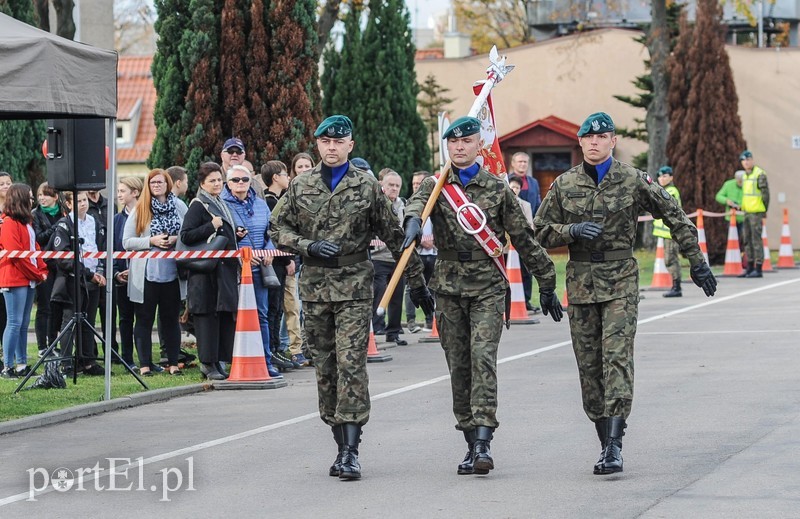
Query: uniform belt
337, 261
600, 256
462, 256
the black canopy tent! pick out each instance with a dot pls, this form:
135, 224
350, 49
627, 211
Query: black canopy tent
43, 76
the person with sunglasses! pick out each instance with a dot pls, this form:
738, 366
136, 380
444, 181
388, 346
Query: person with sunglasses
233, 153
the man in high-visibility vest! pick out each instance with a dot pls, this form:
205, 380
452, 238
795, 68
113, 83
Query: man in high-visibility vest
755, 202
660, 230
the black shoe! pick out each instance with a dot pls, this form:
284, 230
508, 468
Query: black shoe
280, 361
751, 267
612, 454
210, 372
350, 468
379, 331
756, 272
8, 373
466, 466
397, 340
481, 453
602, 431
338, 436
221, 368
94, 370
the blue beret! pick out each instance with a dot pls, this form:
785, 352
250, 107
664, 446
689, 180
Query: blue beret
599, 122
462, 127
746, 154
665, 170
335, 126
360, 163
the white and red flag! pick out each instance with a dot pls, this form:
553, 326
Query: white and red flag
492, 157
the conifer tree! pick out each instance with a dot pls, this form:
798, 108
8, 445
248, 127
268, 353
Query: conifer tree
234, 116
706, 131
391, 131
293, 103
431, 102
21, 141
344, 75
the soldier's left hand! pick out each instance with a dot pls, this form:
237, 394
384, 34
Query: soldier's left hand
551, 305
422, 298
704, 278
413, 230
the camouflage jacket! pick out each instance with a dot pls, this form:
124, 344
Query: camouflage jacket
616, 203
350, 217
504, 215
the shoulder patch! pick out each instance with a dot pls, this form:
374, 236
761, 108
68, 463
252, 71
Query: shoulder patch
664, 194
57, 241
63, 226
647, 178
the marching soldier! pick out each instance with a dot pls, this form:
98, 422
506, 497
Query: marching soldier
755, 202
470, 220
592, 209
329, 216
671, 258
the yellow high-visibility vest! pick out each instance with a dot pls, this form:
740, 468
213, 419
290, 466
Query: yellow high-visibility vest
660, 230
751, 193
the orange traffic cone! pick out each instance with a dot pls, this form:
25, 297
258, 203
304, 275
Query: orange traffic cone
661, 278
434, 336
519, 312
249, 368
733, 257
786, 253
701, 235
373, 355
766, 266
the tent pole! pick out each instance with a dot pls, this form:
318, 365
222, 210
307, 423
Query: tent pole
111, 191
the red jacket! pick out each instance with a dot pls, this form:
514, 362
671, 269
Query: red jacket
18, 272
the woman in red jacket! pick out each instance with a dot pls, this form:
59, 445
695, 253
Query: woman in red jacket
18, 277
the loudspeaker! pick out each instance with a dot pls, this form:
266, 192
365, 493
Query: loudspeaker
76, 154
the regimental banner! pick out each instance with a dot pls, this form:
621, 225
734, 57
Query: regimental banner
492, 157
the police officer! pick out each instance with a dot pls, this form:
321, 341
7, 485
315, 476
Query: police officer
470, 283
329, 216
671, 258
755, 202
592, 209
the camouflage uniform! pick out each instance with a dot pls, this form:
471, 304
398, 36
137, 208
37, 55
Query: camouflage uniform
602, 274
337, 300
470, 295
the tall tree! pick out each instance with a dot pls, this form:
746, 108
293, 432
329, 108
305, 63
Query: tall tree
235, 117
431, 102
391, 131
344, 77
706, 136
493, 22
21, 141
294, 109
65, 23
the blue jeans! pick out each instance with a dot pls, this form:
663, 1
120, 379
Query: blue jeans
19, 301
262, 304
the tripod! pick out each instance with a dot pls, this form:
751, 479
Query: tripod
78, 319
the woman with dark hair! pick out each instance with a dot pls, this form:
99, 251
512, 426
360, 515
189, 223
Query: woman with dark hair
153, 283
91, 278
5, 184
128, 191
212, 298
301, 163
45, 218
18, 277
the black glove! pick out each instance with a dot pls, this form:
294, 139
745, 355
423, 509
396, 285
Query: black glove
323, 249
550, 305
704, 278
585, 230
422, 298
413, 227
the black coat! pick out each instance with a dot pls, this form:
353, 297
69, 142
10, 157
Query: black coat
61, 240
219, 290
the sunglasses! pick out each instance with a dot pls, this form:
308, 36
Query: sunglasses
234, 151
237, 180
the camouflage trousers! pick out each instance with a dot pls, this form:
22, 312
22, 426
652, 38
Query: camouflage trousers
672, 259
751, 237
338, 335
470, 329
602, 338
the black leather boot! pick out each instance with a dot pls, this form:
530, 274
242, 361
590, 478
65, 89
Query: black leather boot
612, 454
466, 466
350, 468
756, 272
601, 428
676, 289
750, 268
481, 452
338, 435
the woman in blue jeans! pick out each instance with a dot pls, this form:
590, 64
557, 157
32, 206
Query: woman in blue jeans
18, 277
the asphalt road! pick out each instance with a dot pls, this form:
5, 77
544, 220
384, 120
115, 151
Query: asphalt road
714, 433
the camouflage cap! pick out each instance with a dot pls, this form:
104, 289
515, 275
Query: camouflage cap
665, 170
599, 122
462, 127
335, 126
746, 154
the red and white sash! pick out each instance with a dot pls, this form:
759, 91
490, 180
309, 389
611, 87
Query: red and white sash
473, 220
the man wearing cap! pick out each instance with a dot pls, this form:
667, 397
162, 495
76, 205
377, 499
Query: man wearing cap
470, 282
671, 258
730, 195
233, 153
592, 209
755, 202
329, 216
